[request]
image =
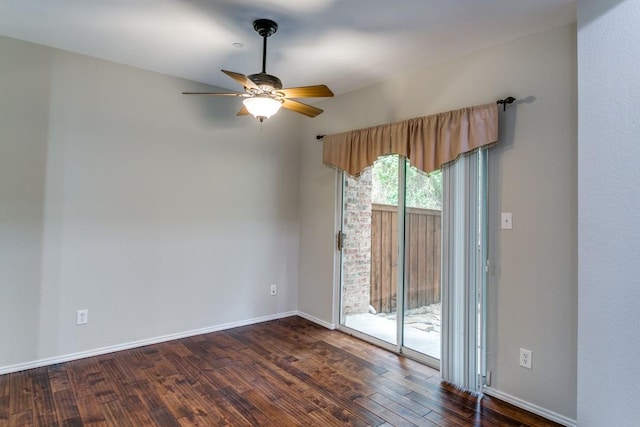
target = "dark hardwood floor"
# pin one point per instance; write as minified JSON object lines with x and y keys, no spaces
{"x":288,"y":372}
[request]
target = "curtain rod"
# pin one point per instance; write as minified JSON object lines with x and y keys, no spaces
{"x":503,"y":102}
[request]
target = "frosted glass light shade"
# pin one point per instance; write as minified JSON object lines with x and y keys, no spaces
{"x":262,"y":107}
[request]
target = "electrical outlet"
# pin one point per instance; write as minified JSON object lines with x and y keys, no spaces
{"x":274,"y":289}
{"x":525,"y":358}
{"x":82,"y":317}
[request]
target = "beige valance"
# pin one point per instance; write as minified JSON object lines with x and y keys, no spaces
{"x":428,"y":142}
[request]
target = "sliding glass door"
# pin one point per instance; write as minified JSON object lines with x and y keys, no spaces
{"x":391,"y":257}
{"x":423,"y":259}
{"x":369,"y":279}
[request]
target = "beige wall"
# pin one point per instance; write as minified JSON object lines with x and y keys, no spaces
{"x":157,"y":212}
{"x":533,"y":279}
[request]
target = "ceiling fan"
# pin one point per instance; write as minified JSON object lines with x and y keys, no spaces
{"x":264,"y":94}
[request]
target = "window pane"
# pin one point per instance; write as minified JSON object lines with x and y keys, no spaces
{"x":423,"y":231}
{"x":369,"y":257}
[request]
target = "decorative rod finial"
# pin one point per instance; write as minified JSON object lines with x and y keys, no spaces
{"x":505,"y":101}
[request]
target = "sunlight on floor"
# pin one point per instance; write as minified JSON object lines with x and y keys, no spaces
{"x":421,"y":331}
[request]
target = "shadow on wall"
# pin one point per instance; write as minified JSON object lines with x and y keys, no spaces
{"x":506,"y":134}
{"x":528,"y":100}
{"x":597,"y":9}
{"x":217,"y":112}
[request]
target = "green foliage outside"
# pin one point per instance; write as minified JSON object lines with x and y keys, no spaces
{"x":423,"y":191}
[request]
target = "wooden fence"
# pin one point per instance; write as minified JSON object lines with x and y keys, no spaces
{"x":423,"y":228}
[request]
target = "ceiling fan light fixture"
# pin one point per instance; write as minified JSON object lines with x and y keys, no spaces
{"x":262,"y":107}
{"x":263,"y":93}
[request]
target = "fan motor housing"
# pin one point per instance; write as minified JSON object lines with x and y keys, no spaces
{"x":264,"y":79}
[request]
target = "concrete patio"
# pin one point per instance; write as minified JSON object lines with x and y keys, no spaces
{"x":421,"y":332}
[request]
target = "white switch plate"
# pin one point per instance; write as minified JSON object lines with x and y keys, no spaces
{"x":507,"y":220}
{"x":274,"y":290}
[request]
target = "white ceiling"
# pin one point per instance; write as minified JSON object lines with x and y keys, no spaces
{"x":346,"y":44}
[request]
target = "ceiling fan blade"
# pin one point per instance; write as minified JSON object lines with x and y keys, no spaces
{"x":214,"y":93}
{"x":243,"y":111}
{"x":317,"y":91}
{"x":301,"y":108}
{"x":242,"y":79}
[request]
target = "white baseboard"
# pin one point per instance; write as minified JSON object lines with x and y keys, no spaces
{"x":527,"y":406}
{"x":126,"y":346}
{"x":314,"y":319}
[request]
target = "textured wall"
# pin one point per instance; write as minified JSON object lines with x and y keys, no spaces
{"x":609,"y":213}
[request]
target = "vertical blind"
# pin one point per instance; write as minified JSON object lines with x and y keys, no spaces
{"x":463,"y":261}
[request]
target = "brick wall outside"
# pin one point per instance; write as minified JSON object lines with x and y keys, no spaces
{"x":356,"y":253}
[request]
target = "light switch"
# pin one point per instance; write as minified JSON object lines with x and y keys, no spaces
{"x":507,"y":221}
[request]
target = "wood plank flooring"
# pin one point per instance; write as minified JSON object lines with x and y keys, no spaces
{"x":287,"y":372}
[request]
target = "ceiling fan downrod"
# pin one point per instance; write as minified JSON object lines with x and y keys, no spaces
{"x":265,"y":28}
